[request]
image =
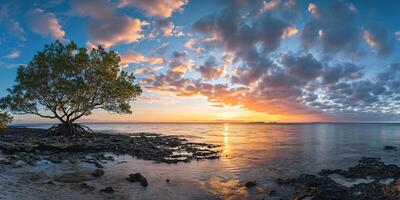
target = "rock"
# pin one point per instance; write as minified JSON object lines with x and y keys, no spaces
{"x":98,"y":165}
{"x":107,"y":190}
{"x":84,"y":186}
{"x":388,"y":147}
{"x":55,"y":158}
{"x":74,"y":177}
{"x":272,"y":192}
{"x":324,"y":187}
{"x":98,"y":173}
{"x":167,"y":180}
{"x":50,"y":182}
{"x":34,"y":177}
{"x":33,"y":144}
{"x":250,"y":184}
{"x":138,"y":177}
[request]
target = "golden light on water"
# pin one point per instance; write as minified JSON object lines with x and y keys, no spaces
{"x":226,"y":139}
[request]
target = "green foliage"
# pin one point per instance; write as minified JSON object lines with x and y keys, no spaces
{"x":66,"y":82}
{"x":5,"y":119}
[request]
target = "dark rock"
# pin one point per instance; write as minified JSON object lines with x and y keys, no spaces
{"x":98,"y":165}
{"x":138,"y":177}
{"x":388,"y":147}
{"x":107,"y":190}
{"x":55,"y":158}
{"x":84,"y":186}
{"x":156,"y":147}
{"x":272,"y":192}
{"x":74,"y":177}
{"x":34,"y":178}
{"x":167,"y":180}
{"x":98,"y":173}
{"x":50,"y":182}
{"x":250,"y":184}
{"x":322,"y":187}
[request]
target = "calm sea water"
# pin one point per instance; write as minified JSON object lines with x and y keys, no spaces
{"x":260,"y":152}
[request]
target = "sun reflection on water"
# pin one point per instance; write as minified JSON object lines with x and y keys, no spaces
{"x":226,"y":139}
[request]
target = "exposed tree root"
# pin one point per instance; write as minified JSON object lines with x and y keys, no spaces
{"x":72,"y":130}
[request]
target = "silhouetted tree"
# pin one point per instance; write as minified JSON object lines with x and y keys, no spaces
{"x":65,"y":82}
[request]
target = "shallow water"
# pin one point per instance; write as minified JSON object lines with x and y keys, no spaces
{"x":260,"y":152}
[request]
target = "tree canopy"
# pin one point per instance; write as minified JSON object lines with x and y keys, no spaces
{"x":65,"y":82}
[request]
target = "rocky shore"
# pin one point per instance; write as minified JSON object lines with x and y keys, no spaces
{"x":85,"y":168}
{"x":370,"y":179}
{"x":80,"y":168}
{"x":32,"y":145}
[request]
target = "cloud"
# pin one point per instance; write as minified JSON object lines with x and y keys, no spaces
{"x":13,"y":54}
{"x":12,"y":26}
{"x":45,"y":24}
{"x":248,"y":43}
{"x":132,"y":58}
{"x":155,"y":8}
{"x":345,"y":71}
{"x":303,"y":66}
{"x":179,"y":64}
{"x":107,"y":28}
{"x":161,"y":49}
{"x":397,"y":34}
{"x":314,"y":10}
{"x":377,"y":37}
{"x":166,"y":27}
{"x":210,"y":69}
{"x":335,"y":29}
{"x":192,"y":45}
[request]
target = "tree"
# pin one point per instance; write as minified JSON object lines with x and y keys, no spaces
{"x":5,"y":119}
{"x":65,"y":82}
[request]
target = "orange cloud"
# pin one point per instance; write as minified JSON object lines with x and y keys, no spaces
{"x":106,"y":27}
{"x":45,"y":24}
{"x":155,"y":8}
{"x":130,"y":58}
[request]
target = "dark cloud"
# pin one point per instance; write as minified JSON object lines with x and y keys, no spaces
{"x":345,"y":71}
{"x":211,"y":69}
{"x":337,"y":29}
{"x":303,"y":66}
{"x":378,"y":38}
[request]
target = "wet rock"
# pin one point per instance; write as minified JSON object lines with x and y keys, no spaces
{"x":323,"y":187}
{"x":388,"y":147}
{"x":85,"y":186}
{"x":50,"y":183}
{"x":250,"y":184}
{"x":55,"y":158}
{"x":34,"y":177}
{"x":137,"y":177}
{"x":98,"y":165}
{"x":107,"y":190}
{"x":272,"y":192}
{"x":74,"y":177}
{"x":27,"y":142}
{"x":367,"y":167}
{"x":98,"y":173}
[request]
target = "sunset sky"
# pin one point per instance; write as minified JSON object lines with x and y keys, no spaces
{"x":227,"y":60}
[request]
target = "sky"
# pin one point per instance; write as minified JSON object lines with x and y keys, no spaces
{"x":226,"y":60}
